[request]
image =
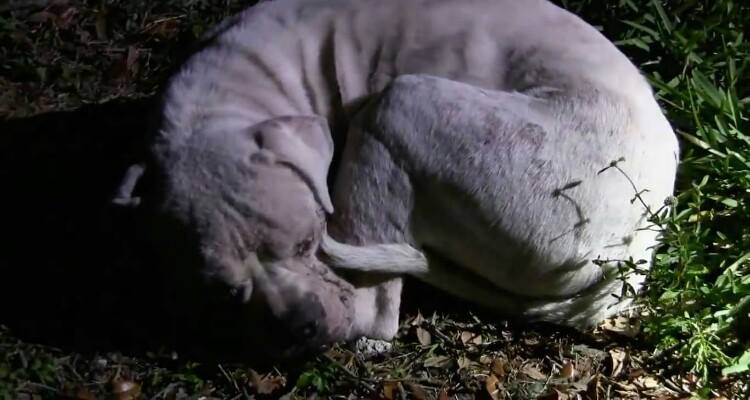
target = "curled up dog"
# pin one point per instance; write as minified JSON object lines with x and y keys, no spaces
{"x":472,"y":137}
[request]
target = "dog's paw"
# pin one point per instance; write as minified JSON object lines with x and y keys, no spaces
{"x":371,"y":347}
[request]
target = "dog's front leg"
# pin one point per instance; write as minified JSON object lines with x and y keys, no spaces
{"x":372,"y":201}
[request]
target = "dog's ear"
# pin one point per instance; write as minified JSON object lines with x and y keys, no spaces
{"x":304,"y":144}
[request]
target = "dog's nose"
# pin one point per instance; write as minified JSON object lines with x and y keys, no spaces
{"x":308,"y":331}
{"x":301,"y":331}
{"x":305,"y":320}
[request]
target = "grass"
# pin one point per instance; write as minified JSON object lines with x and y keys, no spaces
{"x":695,"y":336}
{"x":696,"y":56}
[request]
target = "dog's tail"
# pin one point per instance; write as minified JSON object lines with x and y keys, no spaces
{"x":581,"y":310}
{"x":378,"y":258}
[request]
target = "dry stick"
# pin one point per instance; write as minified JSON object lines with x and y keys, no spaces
{"x":614,"y":164}
{"x":365,"y":382}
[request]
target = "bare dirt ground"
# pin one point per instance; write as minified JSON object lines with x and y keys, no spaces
{"x":76,"y":84}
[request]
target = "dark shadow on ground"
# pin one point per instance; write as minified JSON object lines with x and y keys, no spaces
{"x":77,"y":272}
{"x":71,"y":265}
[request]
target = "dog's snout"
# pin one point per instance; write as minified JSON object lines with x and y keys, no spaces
{"x":309,"y":330}
{"x":305,"y":319}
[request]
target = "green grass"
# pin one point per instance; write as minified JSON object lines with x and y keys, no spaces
{"x":696,"y":56}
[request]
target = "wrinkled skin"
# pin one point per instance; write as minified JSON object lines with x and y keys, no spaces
{"x":239,"y":212}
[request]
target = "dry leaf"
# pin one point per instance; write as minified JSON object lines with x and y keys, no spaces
{"x":626,"y":387}
{"x":464,"y":362}
{"x":492,"y":386}
{"x":132,"y":59}
{"x":595,"y":389}
{"x":418,"y":320}
{"x":417,"y":391}
{"x":589,"y":352}
{"x":499,"y":367}
{"x":84,"y":394}
{"x":646,"y":382}
{"x":265,"y":384}
{"x":622,"y":326}
{"x":617,"y":361}
{"x":101,"y":24}
{"x":438,"y":362}
{"x":423,"y":336}
{"x":442,"y":395}
{"x":390,"y":390}
{"x":568,"y":370}
{"x":469,"y":338}
{"x":533,"y":372}
{"x":66,"y":18}
{"x":41,"y":17}
{"x":555,"y":395}
{"x":126,"y":390}
{"x":531,"y":341}
{"x":691,"y":380}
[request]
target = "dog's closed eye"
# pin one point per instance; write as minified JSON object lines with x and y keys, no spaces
{"x":304,"y":247}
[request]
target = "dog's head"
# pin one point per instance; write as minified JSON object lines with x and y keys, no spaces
{"x":241,"y":214}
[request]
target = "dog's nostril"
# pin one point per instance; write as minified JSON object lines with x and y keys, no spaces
{"x":309,"y":330}
{"x":258,"y":137}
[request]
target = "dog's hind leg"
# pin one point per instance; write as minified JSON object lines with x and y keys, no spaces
{"x":506,"y":185}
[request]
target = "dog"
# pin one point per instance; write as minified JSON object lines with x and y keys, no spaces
{"x":492,"y":148}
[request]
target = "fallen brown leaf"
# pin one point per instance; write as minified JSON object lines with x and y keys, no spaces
{"x":417,"y":391}
{"x":646,"y":382}
{"x":471,"y":338}
{"x":418,"y":320}
{"x":595,"y":389}
{"x":41,"y":17}
{"x":568,"y":370}
{"x":533,"y":372}
{"x":126,"y":390}
{"x":617,"y":358}
{"x":625,"y":386}
{"x":464,"y":362}
{"x":131,"y":61}
{"x":65,"y":17}
{"x":531,"y":341}
{"x":555,"y":395}
{"x":690,"y":381}
{"x":438,"y":362}
{"x":163,"y":28}
{"x":101,"y":24}
{"x":84,"y":394}
{"x":492,"y":386}
{"x":389,"y":390}
{"x":622,"y":326}
{"x":265,"y":384}
{"x":423,"y":336}
{"x":442,"y":394}
{"x":499,"y":367}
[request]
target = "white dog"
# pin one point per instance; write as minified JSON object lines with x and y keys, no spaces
{"x":474,"y":134}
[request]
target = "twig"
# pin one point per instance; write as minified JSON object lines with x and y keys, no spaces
{"x":365,"y":382}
